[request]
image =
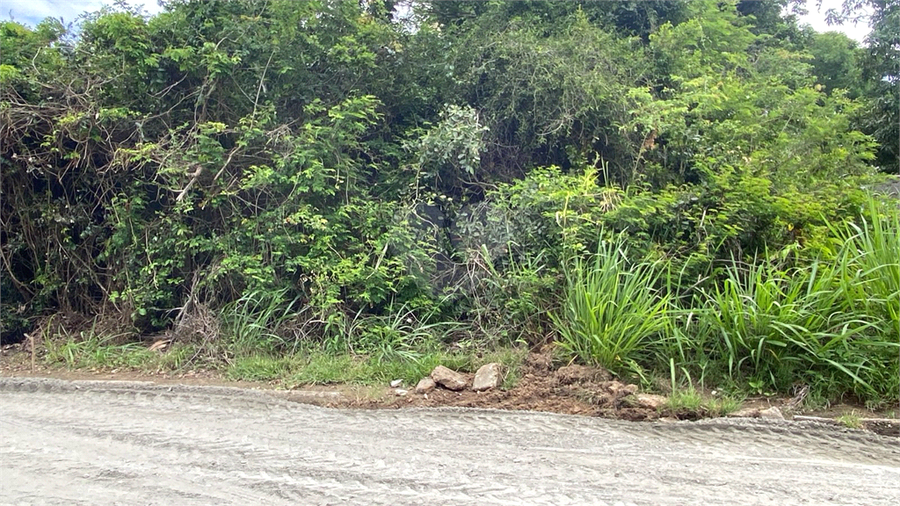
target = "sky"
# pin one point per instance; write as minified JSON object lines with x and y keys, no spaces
{"x":30,"y":12}
{"x":816,"y":19}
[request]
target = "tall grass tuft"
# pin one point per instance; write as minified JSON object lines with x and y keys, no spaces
{"x":869,"y":264}
{"x":399,"y":335}
{"x":252,"y":324}
{"x":774,"y":327}
{"x":832,"y":324}
{"x":611,"y":309}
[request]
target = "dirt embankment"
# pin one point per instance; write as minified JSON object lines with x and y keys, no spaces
{"x":572,"y":389}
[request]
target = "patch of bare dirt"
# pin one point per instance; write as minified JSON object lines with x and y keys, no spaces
{"x":572,"y":389}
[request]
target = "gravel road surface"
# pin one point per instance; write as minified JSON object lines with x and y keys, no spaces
{"x":94,"y":442}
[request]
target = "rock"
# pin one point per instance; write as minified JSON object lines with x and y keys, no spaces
{"x":772,"y":413}
{"x":396,"y":383}
{"x":425,"y":385}
{"x":400,"y":392}
{"x":487,"y":377}
{"x":744,"y":413}
{"x":650,"y":401}
{"x":449,"y":379}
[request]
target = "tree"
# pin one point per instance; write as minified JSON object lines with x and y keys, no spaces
{"x":836,"y":62}
{"x":881,"y":70}
{"x":224,"y":149}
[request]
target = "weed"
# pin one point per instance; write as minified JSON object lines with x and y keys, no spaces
{"x":326,"y":368}
{"x":850,"y":420}
{"x":323,"y":368}
{"x":88,"y":351}
{"x":688,"y":403}
{"x":251,"y":324}
{"x":91,"y":349}
{"x":611,"y":309}
{"x":511,"y":302}
{"x":770,"y":327}
{"x":261,"y":368}
{"x":721,"y":406}
{"x":399,"y":336}
{"x":684,"y":400}
{"x":511,"y":359}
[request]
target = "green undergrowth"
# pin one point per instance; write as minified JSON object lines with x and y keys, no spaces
{"x":316,"y":367}
{"x":378,"y":199}
{"x":828,"y":324}
{"x":101,"y":353}
{"x":761,"y":326}
{"x":96,"y":348}
{"x":319,"y":368}
{"x":690,"y":402}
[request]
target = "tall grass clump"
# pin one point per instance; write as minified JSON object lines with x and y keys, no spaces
{"x":869,"y":266}
{"x":869,"y":263}
{"x":399,"y":335}
{"x":773,"y":328}
{"x":611,"y":309}
{"x":831,"y":324}
{"x":253,"y":323}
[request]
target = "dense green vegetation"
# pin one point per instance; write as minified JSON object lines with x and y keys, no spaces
{"x":670,"y":188}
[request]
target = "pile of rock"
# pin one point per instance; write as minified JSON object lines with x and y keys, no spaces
{"x":487,"y":377}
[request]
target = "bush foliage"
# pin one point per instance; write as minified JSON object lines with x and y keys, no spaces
{"x":654,"y":184}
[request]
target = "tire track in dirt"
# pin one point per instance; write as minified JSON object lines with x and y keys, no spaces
{"x":138,"y":443}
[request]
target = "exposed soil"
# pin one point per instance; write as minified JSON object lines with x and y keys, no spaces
{"x":572,"y":389}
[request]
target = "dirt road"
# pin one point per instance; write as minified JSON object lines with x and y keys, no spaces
{"x":134,"y":443}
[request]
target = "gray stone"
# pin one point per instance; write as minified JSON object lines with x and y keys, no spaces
{"x":772,"y":413}
{"x":449,"y":379}
{"x":396,"y":383}
{"x":425,"y":385}
{"x":487,"y":377}
{"x":400,"y":392}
